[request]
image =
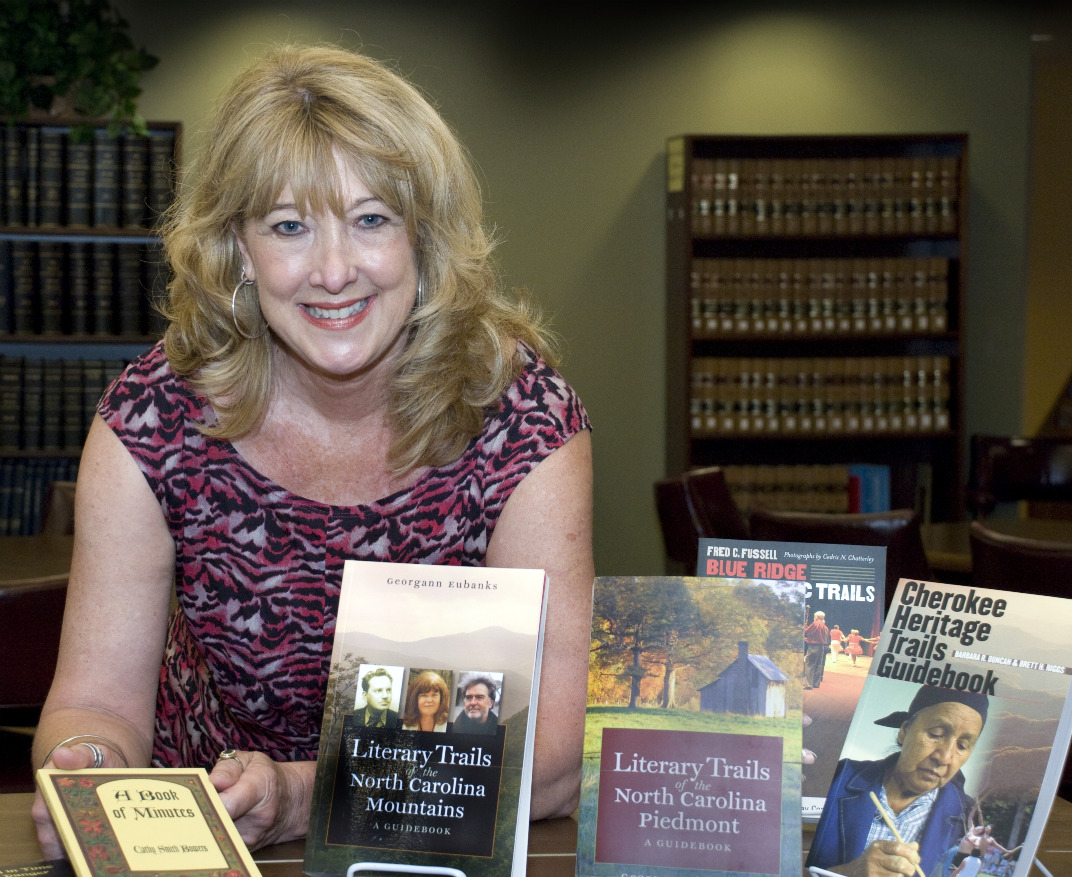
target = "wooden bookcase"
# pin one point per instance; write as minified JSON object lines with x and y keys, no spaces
{"x":80,"y":265}
{"x":815,"y":301}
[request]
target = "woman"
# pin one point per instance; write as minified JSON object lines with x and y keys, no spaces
{"x":427,"y":703}
{"x":340,"y":377}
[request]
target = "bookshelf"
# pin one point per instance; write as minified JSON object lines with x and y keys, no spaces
{"x":79,"y":268}
{"x":815,"y":294}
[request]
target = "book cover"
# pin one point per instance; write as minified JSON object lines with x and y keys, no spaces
{"x":845,"y":586}
{"x":149,"y":821}
{"x":426,"y":746}
{"x":53,"y":868}
{"x":966,"y":699}
{"x":692,"y":743}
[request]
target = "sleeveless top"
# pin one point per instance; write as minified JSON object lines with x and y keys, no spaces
{"x":258,"y":569}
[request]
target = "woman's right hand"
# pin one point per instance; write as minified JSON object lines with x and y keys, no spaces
{"x":73,"y":757}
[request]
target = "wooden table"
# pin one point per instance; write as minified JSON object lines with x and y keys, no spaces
{"x":949,"y":549}
{"x":552,"y":844}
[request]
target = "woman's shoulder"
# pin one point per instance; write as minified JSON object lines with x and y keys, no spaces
{"x":541,"y":392}
{"x":148,"y":391}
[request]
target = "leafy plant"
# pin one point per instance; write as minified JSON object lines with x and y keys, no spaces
{"x":71,"y":54}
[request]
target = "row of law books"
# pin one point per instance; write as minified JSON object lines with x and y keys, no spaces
{"x":836,"y":488}
{"x":819,"y":296}
{"x":24,"y":484}
{"x":48,"y":404}
{"x":734,"y":395}
{"x":753,"y":197}
{"x":57,"y":176}
{"x":49,"y":287}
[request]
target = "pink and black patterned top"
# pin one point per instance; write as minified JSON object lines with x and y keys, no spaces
{"x":257,"y":568}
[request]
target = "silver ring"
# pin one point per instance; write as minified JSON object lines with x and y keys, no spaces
{"x":230,"y":753}
{"x":98,"y":755}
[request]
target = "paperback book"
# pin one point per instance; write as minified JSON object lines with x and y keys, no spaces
{"x":126,"y":821}
{"x":965,"y":719}
{"x":844,"y":587}
{"x":692,"y":742}
{"x":426,"y":745}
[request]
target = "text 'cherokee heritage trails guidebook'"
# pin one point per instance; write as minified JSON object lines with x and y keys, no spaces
{"x":960,"y":734}
{"x":425,"y":752}
{"x":692,"y":729}
{"x":844,"y":586}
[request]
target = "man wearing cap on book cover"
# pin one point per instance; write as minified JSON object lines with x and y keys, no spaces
{"x":920,"y":786}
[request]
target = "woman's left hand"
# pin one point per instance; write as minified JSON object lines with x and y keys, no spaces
{"x":268,"y":800}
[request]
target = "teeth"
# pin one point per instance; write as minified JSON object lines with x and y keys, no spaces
{"x":337,"y":313}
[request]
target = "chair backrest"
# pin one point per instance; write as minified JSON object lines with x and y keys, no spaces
{"x":1016,"y":563}
{"x":1013,"y":468}
{"x":713,"y":506}
{"x":677,"y":519}
{"x":898,"y":530}
{"x":31,"y":614}
{"x":58,"y":515}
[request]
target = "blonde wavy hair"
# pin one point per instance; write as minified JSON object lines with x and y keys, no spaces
{"x":282,"y":122}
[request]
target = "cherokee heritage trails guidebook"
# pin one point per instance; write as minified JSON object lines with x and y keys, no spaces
{"x":147,"y":821}
{"x":426,"y":745}
{"x":692,"y":730}
{"x":844,"y":587}
{"x":966,"y":698}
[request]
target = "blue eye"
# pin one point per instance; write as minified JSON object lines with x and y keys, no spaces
{"x":288,"y":226}
{"x":371,"y":220}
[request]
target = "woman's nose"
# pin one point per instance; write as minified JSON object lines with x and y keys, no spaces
{"x":335,"y":263}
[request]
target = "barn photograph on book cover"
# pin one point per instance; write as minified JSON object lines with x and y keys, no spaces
{"x":692,"y":748}
{"x":964,"y":717}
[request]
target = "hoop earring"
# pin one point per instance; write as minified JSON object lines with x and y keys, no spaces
{"x":420,"y":292}
{"x":234,"y":316}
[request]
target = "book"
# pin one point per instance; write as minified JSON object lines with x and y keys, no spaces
{"x":692,"y":747}
{"x":78,"y":171}
{"x":968,"y":693}
{"x":869,"y":487}
{"x":134,"y":186}
{"x":161,"y":821}
{"x":846,"y":585}
{"x":106,"y":184}
{"x":454,"y":797}
{"x":50,"y":179}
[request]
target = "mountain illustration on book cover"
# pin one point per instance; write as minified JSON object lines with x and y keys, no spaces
{"x":692,"y":742}
{"x":845,"y":588}
{"x":426,"y":744}
{"x":965,"y":713}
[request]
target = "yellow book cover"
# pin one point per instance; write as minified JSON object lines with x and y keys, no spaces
{"x":145,"y":821}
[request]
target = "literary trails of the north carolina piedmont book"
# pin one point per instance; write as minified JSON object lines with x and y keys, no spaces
{"x":692,"y":743}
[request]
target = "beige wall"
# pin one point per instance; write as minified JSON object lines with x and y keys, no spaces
{"x":566,"y":109}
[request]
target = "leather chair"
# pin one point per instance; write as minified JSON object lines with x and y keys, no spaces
{"x":1016,"y":563}
{"x":695,"y":505}
{"x":58,"y":515}
{"x":31,"y":614}
{"x":1014,"y":468}
{"x":898,"y":530}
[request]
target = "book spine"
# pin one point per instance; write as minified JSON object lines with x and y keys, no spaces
{"x":32,"y":183}
{"x":128,"y":287}
{"x":78,"y":288}
{"x":50,"y":202}
{"x":23,"y":286}
{"x":33,"y":402}
{"x":10,"y":403}
{"x":5,"y":287}
{"x":50,"y":287}
{"x":79,"y":182}
{"x":51,"y":413}
{"x":103,"y":289}
{"x":73,"y":431}
{"x":14,"y":176}
{"x":105,"y":179}
{"x":134,"y":199}
{"x":161,"y":171}
{"x":155,"y":281}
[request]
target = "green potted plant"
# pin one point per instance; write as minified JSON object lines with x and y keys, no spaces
{"x":70,"y":58}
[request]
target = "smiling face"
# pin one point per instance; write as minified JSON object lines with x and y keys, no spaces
{"x":428,"y":702}
{"x":935,"y":743}
{"x":335,"y":290}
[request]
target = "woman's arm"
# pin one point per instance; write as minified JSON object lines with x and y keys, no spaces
{"x":114,"y":621}
{"x":547,"y":524}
